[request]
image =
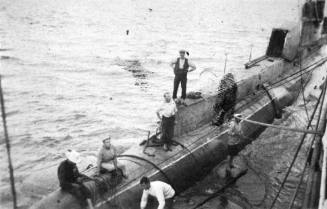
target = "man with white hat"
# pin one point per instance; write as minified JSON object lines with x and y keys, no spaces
{"x":70,"y":178}
{"x":181,"y":67}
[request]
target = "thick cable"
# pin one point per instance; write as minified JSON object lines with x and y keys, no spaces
{"x":151,"y":163}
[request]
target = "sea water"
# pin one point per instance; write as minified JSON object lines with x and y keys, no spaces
{"x":76,"y":71}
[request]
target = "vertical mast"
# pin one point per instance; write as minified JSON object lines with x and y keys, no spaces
{"x":11,"y":170}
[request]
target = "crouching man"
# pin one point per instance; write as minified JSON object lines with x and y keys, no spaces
{"x":162,"y":191}
{"x":71,"y":180}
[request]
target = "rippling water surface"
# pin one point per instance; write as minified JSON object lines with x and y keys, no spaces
{"x":76,"y":71}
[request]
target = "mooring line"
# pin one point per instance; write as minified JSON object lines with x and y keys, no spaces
{"x":280,"y":127}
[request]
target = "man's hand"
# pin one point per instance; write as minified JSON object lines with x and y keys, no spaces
{"x":172,"y":65}
{"x":192,"y":69}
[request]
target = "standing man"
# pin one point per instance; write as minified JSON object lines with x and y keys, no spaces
{"x":158,"y":189}
{"x":166,"y":113}
{"x":181,"y":68}
{"x":71,"y":180}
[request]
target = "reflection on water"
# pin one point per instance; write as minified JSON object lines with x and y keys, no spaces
{"x":72,"y":76}
{"x":138,"y":71}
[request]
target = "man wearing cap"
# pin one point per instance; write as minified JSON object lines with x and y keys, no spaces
{"x":107,"y":158}
{"x":162,"y":191}
{"x":70,"y":178}
{"x":181,"y":67}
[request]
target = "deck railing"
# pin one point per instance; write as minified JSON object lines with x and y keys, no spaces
{"x":323,"y":197}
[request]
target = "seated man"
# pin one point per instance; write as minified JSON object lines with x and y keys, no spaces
{"x":71,"y":179}
{"x":107,"y":158}
{"x":162,"y":191}
{"x":166,"y":113}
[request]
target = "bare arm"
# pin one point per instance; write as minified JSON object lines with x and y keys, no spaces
{"x":99,"y":161}
{"x":161,"y":199}
{"x":192,"y":67}
{"x":175,"y":108}
{"x":172,"y":64}
{"x":144,"y":200}
{"x":115,"y":157}
{"x":158,"y":113}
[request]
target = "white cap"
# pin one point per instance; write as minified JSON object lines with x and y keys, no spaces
{"x":73,"y":156}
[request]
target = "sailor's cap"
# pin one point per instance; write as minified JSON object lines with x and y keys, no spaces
{"x":108,"y":138}
{"x":73,"y":156}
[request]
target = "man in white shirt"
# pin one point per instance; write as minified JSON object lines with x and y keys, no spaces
{"x":162,"y":191}
{"x":166,"y":113}
{"x":181,"y":68}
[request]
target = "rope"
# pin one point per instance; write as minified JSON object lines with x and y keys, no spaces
{"x":308,"y":156}
{"x":189,"y":151}
{"x":151,"y":163}
{"x":271,"y":86}
{"x":277,"y":111}
{"x":297,"y":151}
{"x":147,"y":161}
{"x":11,"y":170}
{"x":301,"y":178}
{"x":315,"y":64}
{"x":280,"y":127}
{"x":307,"y":159}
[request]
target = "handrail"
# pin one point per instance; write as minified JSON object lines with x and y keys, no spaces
{"x":297,"y":149}
{"x":322,"y":197}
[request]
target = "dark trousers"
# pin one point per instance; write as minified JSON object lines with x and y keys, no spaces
{"x":180,"y":78}
{"x":167,"y":128}
{"x":169,"y":203}
{"x":79,"y":191}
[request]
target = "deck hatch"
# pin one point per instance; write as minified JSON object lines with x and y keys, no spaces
{"x":276,"y":43}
